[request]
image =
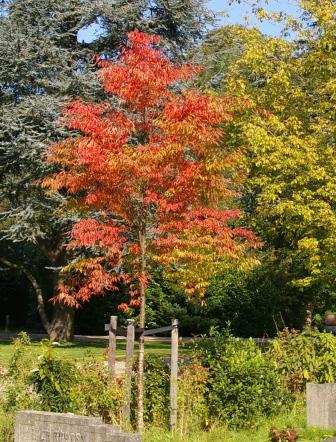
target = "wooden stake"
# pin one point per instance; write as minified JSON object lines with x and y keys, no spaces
{"x":112,"y":346}
{"x":174,"y":374}
{"x":7,"y":323}
{"x":128,"y":370}
{"x":142,"y":318}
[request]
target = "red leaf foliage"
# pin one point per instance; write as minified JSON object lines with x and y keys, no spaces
{"x":148,"y":163}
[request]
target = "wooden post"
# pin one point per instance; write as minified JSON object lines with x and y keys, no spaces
{"x":174,"y":374}
{"x":7,"y":323}
{"x":128,"y":371}
{"x":112,"y":350}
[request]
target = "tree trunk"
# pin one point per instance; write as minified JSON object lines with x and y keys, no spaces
{"x":36,"y":287}
{"x":141,"y":366}
{"x":62,"y":323}
{"x":61,"y":326}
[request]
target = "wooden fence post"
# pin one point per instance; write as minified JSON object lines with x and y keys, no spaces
{"x":7,"y":323}
{"x":174,"y":374}
{"x":128,"y":370}
{"x":112,"y":350}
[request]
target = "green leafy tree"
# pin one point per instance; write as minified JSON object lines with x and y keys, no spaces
{"x":287,"y":133}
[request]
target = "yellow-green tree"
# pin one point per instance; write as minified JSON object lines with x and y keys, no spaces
{"x":288,"y":135}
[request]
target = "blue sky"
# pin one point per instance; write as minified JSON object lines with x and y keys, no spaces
{"x":233,"y":14}
{"x":240,"y":13}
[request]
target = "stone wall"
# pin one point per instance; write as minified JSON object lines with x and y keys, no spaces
{"x":39,"y":426}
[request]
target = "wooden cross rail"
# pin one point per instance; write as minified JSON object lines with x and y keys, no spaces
{"x":131,"y":333}
{"x":121,"y":331}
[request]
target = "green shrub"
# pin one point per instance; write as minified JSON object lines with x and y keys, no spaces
{"x":83,"y":387}
{"x":51,"y":384}
{"x":94,"y":394}
{"x":53,"y":380}
{"x":17,"y":393}
{"x":6,"y":427}
{"x":304,"y":357}
{"x":192,"y":405}
{"x":156,"y":398}
{"x":243,"y":383}
{"x":156,"y":392}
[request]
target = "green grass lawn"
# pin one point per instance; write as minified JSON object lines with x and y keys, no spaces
{"x":79,"y":350}
{"x":295,"y":419}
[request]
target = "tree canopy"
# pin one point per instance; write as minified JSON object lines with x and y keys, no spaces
{"x":288,"y":136}
{"x":148,"y":168}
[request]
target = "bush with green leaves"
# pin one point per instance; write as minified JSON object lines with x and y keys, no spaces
{"x":16,"y":391}
{"x":243,"y":383}
{"x":95,"y":394}
{"x":82,"y":388}
{"x":304,"y":357}
{"x":6,"y":427}
{"x":49,"y":383}
{"x":192,"y":404}
{"x":53,"y":380}
{"x":43,"y":383}
{"x":156,"y":403}
{"x":156,"y":391}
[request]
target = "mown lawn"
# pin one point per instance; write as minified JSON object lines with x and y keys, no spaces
{"x":79,"y":350}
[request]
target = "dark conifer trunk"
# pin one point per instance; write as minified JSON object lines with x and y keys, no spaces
{"x":62,"y":323}
{"x":61,"y":326}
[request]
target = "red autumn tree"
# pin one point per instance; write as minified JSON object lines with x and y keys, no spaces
{"x":147,"y":172}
